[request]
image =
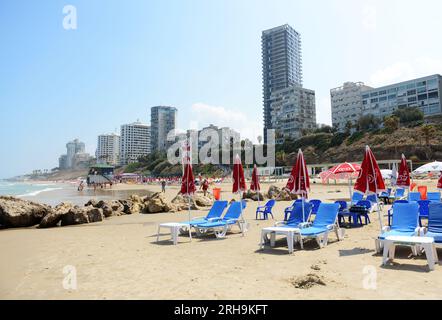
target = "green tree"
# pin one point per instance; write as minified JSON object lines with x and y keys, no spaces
{"x":391,"y":123}
{"x":368,"y":122}
{"x":409,"y":115}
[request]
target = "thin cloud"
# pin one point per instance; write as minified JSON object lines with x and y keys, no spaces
{"x":204,"y":115}
{"x":406,"y":70}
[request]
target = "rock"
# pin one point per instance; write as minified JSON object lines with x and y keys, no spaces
{"x":76,"y":215}
{"x":273,"y":192}
{"x":107,"y":210}
{"x":203,"y":201}
{"x":52,"y":219}
{"x":93,"y":203}
{"x":156,"y":203}
{"x":182,"y":203}
{"x":285,"y":195}
{"x":254,"y":195}
{"x":17,"y":213}
{"x":127,"y":206}
{"x":117,"y":207}
{"x":94,"y":214}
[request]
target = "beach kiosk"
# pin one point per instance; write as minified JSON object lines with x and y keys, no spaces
{"x":100,"y":174}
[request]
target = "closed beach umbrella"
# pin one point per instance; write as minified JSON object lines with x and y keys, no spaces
{"x":239,"y":182}
{"x":188,"y":180}
{"x":299,"y":181}
{"x":403,"y":177}
{"x":255,"y":186}
{"x":370,"y":178}
{"x":433,"y":167}
{"x":439,"y":184}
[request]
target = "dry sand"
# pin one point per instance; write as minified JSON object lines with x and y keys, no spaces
{"x":120,"y":259}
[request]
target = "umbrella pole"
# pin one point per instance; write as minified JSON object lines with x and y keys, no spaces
{"x":303,"y":211}
{"x":379,"y":212}
{"x":350,"y":182}
{"x":190,"y":227}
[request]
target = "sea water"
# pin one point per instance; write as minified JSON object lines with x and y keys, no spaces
{"x":24,"y":189}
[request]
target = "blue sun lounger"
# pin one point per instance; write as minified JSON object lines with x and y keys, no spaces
{"x":405,"y":223}
{"x":215,"y":213}
{"x":221,"y":226}
{"x":434,"y":229}
{"x":325,"y":221}
{"x":296,"y":216}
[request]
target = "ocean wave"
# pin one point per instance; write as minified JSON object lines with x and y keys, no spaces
{"x":37,"y":192}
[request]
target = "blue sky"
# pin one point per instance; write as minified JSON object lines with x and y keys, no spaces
{"x":202,"y":57}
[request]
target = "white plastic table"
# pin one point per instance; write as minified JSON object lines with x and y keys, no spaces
{"x":174,"y":230}
{"x":273,"y":231}
{"x":427,"y":243}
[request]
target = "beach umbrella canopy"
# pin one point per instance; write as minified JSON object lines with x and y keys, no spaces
{"x":433,"y":167}
{"x":345,"y":168}
{"x":403,"y":178}
{"x":299,"y":181}
{"x":370,"y":178}
{"x":255,"y":186}
{"x":239,"y":182}
{"x":386,"y":174}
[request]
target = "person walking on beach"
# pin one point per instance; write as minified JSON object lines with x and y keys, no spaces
{"x":205,"y":186}
{"x":163,"y":186}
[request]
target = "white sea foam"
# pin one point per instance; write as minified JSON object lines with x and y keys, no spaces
{"x":37,"y":192}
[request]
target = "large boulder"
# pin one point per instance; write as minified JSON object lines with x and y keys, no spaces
{"x":202,"y":200}
{"x":76,"y":215}
{"x":53,"y":218}
{"x":254,"y":195}
{"x":128,"y":206}
{"x":273,"y":192}
{"x":155,"y":204}
{"x":94,"y":214}
{"x":182,"y":203}
{"x":285,"y":195}
{"x":17,"y":213}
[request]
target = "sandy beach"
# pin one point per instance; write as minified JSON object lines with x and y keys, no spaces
{"x":120,"y":259}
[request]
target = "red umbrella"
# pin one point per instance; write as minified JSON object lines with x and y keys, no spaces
{"x":343,"y":170}
{"x":188,"y":181}
{"x":299,"y":181}
{"x":239,"y":182}
{"x":439,"y":184}
{"x":403,"y":177}
{"x":370,"y":178}
{"x":255,"y":186}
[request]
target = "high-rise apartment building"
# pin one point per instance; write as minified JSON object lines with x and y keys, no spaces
{"x":281,"y":65}
{"x":134,"y":142}
{"x":352,"y":101}
{"x":108,"y":149}
{"x":163,"y":120}
{"x":292,"y":110}
{"x":346,"y":104}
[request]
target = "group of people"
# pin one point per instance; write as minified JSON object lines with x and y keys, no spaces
{"x":203,"y":182}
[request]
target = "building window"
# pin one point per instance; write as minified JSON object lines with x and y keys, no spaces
{"x":433,"y":95}
{"x":422,"y":97}
{"x":374,"y":100}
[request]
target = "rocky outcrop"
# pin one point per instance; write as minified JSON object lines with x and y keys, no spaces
{"x":53,"y":218}
{"x":76,"y":215}
{"x":280,"y":194}
{"x":156,"y":203}
{"x":17,"y":213}
{"x":253,"y":195}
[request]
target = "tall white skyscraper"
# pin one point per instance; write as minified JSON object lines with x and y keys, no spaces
{"x":281,"y":65}
{"x":134,"y":142}
{"x":108,"y":149}
{"x":163,"y":120}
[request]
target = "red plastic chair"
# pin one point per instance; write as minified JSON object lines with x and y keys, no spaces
{"x":412,"y":186}
{"x":423,"y":191}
